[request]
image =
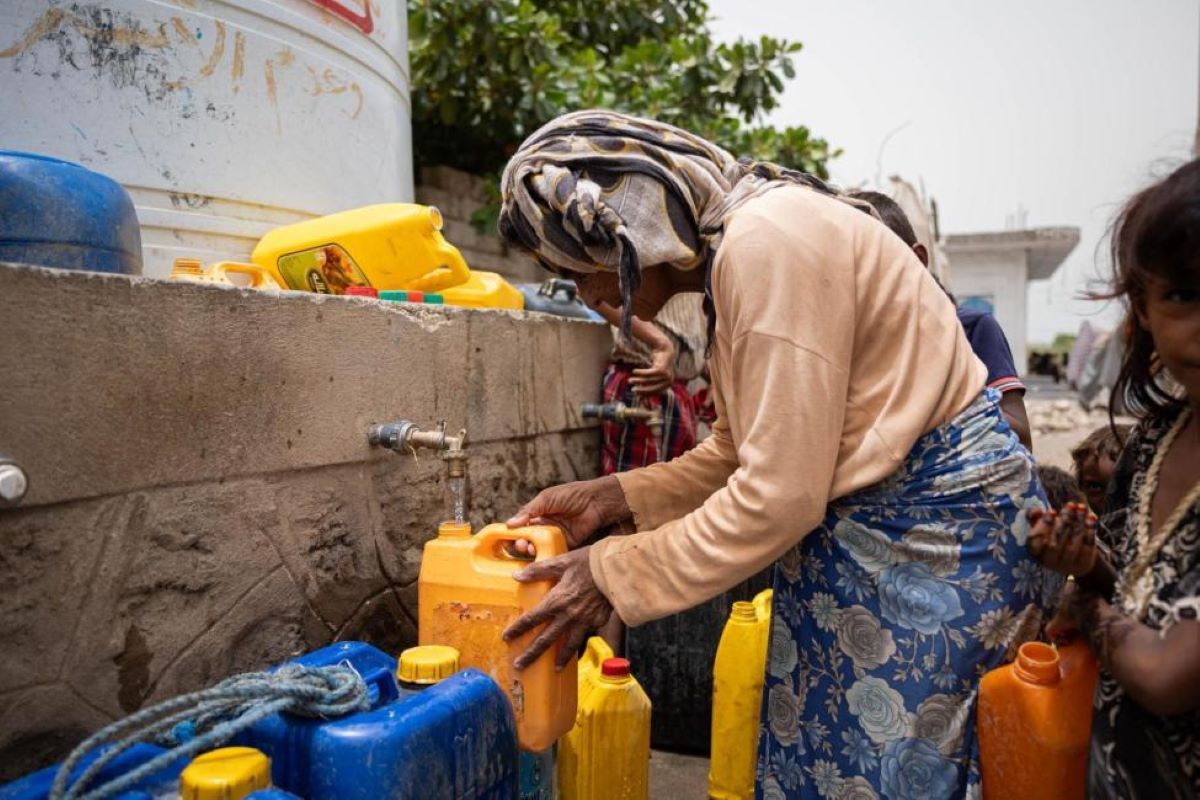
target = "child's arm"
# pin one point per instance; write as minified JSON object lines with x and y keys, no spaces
{"x":1158,"y":669}
{"x":658,"y":376}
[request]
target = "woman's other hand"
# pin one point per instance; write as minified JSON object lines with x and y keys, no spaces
{"x":1064,"y":541}
{"x":570,"y":611}
{"x":580,"y":509}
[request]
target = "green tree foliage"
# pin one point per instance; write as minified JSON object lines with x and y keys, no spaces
{"x":486,"y":73}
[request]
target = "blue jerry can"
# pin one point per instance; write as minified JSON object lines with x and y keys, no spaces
{"x":37,"y":785}
{"x":456,"y":739}
{"x":56,"y":213}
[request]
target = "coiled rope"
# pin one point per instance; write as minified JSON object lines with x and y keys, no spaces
{"x":193,"y":723}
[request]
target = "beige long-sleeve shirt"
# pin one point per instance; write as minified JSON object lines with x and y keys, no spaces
{"x":835,"y":351}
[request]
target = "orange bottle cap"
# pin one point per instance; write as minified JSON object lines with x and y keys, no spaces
{"x":1037,"y":662}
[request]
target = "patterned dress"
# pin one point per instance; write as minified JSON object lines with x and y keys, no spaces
{"x":886,"y":616}
{"x":1136,"y":754}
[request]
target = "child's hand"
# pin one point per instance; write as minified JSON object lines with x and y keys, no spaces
{"x":1064,"y":542}
{"x":657,"y":377}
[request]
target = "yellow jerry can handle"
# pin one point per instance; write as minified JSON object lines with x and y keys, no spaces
{"x":260,"y":278}
{"x":494,"y":557}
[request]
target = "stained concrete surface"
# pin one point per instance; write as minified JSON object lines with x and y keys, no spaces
{"x":677,"y":777}
{"x":203,"y":499}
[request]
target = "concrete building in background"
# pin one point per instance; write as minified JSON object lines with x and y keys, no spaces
{"x":992,"y":271}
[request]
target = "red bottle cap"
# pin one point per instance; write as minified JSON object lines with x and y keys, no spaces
{"x":615,"y":668}
{"x":361,"y":291}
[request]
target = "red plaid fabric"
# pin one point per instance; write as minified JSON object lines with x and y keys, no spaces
{"x":631,"y":445}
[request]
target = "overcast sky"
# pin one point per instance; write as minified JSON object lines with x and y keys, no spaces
{"x":1058,"y":107}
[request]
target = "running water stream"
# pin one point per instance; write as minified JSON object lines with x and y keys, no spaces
{"x":457,"y":489}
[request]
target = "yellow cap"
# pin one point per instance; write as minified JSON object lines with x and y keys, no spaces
{"x":427,"y":664}
{"x":230,"y":773}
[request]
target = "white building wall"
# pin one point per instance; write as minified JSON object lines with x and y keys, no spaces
{"x":997,"y":277}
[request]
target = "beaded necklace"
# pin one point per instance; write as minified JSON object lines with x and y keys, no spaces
{"x":1136,"y":587}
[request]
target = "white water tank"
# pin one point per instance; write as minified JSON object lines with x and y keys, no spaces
{"x":223,"y":118}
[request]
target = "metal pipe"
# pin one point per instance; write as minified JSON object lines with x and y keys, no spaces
{"x":619,"y":412}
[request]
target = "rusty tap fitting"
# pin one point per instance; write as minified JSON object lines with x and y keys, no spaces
{"x":619,"y":412}
{"x":404,"y":436}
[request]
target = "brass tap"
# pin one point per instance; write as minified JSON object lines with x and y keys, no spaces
{"x":404,"y":436}
{"x":619,"y":412}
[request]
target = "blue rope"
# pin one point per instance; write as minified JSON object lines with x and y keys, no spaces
{"x":194,"y":723}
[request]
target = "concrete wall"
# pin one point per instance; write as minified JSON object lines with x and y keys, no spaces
{"x":458,"y":195}
{"x":202,"y":497}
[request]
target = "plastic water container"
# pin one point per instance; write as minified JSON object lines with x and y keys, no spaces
{"x":673,"y":660}
{"x":607,"y":753}
{"x":557,"y":296}
{"x":737,"y":699}
{"x":223,"y":118}
{"x":387,"y":246}
{"x":484,"y":290}
{"x":466,"y":597}
{"x":537,"y":775}
{"x":58,"y":214}
{"x":191,"y":270}
{"x":453,"y":739}
{"x":1034,"y":723}
{"x":37,"y":785}
{"x":437,"y":735}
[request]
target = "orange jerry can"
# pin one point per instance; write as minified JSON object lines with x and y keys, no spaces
{"x":466,"y":597}
{"x":1034,"y":723}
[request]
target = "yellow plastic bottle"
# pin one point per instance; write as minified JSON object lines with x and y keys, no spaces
{"x":230,"y":773}
{"x":387,"y":246}
{"x":607,"y":753}
{"x":466,"y":597}
{"x":191,"y":270}
{"x":737,"y":699}
{"x":484,"y":290}
{"x":595,"y":654}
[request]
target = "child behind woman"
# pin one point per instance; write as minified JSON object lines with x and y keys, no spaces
{"x":1095,"y":459}
{"x":1139,"y":607}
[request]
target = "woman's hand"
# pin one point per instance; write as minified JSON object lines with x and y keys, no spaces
{"x":570,"y":611}
{"x":580,"y":509}
{"x":659,"y":376}
{"x":1064,"y":542}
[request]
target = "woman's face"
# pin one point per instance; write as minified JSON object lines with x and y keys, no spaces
{"x":605,"y":287}
{"x":1171,"y":313}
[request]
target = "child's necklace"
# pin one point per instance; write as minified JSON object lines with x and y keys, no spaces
{"x":1136,"y":587}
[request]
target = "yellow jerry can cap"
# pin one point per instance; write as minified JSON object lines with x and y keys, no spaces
{"x":427,"y":664}
{"x":230,"y":773}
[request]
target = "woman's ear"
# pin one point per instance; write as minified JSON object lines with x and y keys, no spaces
{"x":922,"y":253}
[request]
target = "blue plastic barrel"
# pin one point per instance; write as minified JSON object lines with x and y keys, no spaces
{"x":56,"y":213}
{"x":455,"y":739}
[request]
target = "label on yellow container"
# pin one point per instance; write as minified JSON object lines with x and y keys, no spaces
{"x":326,"y":270}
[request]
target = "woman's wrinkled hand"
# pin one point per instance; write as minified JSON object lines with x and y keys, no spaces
{"x":580,"y":509}
{"x":570,"y":611}
{"x":1064,"y":541}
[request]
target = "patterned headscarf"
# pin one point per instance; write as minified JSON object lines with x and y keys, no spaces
{"x":602,"y":191}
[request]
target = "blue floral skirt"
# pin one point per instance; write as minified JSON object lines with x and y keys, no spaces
{"x":886,"y":616}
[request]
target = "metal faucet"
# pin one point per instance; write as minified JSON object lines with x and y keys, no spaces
{"x":619,"y":412}
{"x":404,"y":436}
